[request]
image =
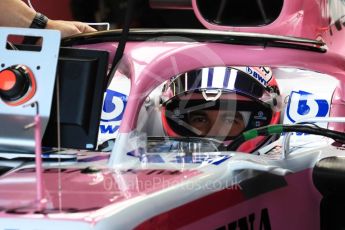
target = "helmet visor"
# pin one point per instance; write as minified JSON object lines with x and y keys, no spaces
{"x":225,"y":118}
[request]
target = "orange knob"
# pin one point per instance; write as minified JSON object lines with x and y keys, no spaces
{"x":17,"y":85}
{"x":7,"y":80}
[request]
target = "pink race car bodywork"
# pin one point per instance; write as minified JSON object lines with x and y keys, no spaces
{"x":278,"y":188}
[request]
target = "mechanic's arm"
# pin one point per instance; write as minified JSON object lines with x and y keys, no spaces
{"x":15,"y":13}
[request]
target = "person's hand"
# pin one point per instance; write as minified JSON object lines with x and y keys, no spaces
{"x":69,"y":28}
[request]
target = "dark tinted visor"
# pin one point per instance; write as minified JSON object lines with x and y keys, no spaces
{"x":192,"y":116}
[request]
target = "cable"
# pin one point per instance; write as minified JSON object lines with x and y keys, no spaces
{"x":310,"y":121}
{"x":122,"y":43}
{"x":279,"y":129}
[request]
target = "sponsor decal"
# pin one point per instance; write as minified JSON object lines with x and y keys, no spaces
{"x":111,"y":129}
{"x":304,"y":105}
{"x":259,"y":119}
{"x":261,"y":74}
{"x":113,"y":109}
{"x":251,"y":221}
{"x":198,"y":159}
{"x":260,"y":116}
{"x":114,"y":106}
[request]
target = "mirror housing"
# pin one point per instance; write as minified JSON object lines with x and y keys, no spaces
{"x":243,"y":13}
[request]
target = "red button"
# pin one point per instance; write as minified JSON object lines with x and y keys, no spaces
{"x":7,"y":80}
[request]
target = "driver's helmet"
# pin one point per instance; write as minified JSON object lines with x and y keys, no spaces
{"x":221,"y":103}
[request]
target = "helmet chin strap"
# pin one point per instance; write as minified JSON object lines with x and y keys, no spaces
{"x":216,"y":93}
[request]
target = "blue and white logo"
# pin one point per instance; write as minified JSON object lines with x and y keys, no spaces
{"x":113,"y":109}
{"x":304,"y":105}
{"x":114,"y":106}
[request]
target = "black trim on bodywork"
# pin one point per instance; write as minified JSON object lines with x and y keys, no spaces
{"x":199,"y":35}
{"x":262,"y":183}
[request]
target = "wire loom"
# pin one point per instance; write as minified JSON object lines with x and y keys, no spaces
{"x":279,"y":129}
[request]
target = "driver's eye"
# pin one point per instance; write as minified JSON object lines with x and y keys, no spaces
{"x":198,"y":119}
{"x":228,"y":118}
